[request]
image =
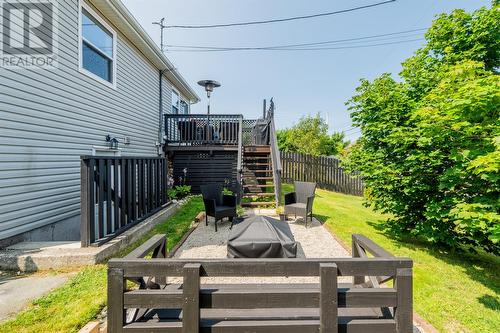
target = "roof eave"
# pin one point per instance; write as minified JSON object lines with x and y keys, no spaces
{"x":128,"y":25}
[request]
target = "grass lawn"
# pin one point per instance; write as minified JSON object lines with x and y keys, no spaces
{"x":69,"y":307}
{"x":455,"y":292}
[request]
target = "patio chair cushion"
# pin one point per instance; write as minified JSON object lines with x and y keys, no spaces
{"x":227,"y":211}
{"x":296,"y":208}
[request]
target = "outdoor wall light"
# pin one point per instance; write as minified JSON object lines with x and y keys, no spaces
{"x":113,"y":142}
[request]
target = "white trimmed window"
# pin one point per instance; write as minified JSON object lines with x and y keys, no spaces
{"x":97,"y":47}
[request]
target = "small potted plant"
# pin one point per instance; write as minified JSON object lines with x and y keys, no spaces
{"x":281,"y":212}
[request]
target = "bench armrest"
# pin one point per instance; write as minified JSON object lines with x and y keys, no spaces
{"x":309,"y":204}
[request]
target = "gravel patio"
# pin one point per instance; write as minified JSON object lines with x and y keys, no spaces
{"x":312,"y":242}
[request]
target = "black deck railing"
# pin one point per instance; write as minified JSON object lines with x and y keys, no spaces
{"x":119,"y":192}
{"x":202,"y":129}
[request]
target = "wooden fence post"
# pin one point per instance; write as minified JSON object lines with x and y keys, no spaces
{"x":404,"y":311}
{"x":116,"y":312}
{"x":191,"y":295}
{"x":356,"y":254}
{"x":328,"y":298}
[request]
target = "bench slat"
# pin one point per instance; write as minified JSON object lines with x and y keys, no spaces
{"x":261,"y":267}
{"x":272,"y":326}
{"x":270,"y":296}
{"x":267,"y":314}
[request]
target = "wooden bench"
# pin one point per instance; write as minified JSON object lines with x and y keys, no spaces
{"x":326,"y":307}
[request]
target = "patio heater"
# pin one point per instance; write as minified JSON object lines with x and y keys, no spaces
{"x":209,"y":86}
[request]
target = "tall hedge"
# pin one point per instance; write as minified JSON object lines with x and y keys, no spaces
{"x":430,"y":147}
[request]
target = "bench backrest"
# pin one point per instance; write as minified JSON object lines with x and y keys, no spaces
{"x":328,"y":298}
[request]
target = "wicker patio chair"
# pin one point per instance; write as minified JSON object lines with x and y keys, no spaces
{"x":217,"y":204}
{"x":300,"y":202}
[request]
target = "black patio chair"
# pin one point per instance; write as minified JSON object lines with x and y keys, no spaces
{"x":300,"y":202}
{"x":217,"y":204}
{"x":187,"y":130}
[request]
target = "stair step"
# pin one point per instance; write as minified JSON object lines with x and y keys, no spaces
{"x":258,"y":185}
{"x":249,"y":195}
{"x":253,"y":158}
{"x":247,"y":180}
{"x":257,"y":149}
{"x":250,"y":172}
{"x":257,"y":164}
{"x":257,"y":204}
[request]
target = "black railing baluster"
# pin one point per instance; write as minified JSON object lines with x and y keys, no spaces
{"x":109,"y":226}
{"x":116,"y":196}
{"x":100,"y":176}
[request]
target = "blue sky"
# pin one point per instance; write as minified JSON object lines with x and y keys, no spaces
{"x":301,"y":82}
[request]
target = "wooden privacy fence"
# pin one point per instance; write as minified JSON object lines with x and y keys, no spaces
{"x":323,"y":170}
{"x":190,"y":306}
{"x":118,"y":192}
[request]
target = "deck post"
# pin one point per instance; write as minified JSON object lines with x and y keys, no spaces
{"x":404,"y":310}
{"x":87,"y":202}
{"x":116,"y":312}
{"x":328,"y":298}
{"x":356,"y":254}
{"x":191,"y":299}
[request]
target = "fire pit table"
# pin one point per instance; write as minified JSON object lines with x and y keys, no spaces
{"x":261,"y":237}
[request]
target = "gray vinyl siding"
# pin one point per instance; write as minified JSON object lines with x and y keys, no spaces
{"x":48,"y":118}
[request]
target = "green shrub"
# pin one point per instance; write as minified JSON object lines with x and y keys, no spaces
{"x":172,"y":193}
{"x":183,"y":191}
{"x":179,"y":192}
{"x":430,"y":147}
{"x":227,"y":191}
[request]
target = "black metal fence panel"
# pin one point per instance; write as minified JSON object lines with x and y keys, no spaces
{"x":117,"y":193}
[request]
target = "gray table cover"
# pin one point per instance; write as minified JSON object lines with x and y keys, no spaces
{"x":261,"y":237}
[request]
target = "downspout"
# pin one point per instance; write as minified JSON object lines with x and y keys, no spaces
{"x":160,"y":115}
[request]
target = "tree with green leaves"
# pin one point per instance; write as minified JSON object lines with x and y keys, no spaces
{"x":310,"y":136}
{"x":430,"y":147}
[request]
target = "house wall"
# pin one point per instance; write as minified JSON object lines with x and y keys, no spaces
{"x":48,"y":118}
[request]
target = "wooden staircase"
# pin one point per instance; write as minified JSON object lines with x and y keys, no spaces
{"x":257,"y":177}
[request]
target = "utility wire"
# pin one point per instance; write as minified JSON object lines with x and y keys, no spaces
{"x":392,"y":34}
{"x":299,"y":49}
{"x":352,"y":130}
{"x":209,"y":26}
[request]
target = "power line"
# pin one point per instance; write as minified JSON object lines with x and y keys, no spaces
{"x":209,"y":26}
{"x":299,"y":49}
{"x":393,"y":34}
